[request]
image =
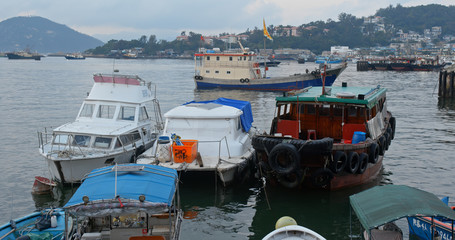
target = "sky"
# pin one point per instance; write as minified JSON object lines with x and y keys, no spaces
{"x":166,"y":19}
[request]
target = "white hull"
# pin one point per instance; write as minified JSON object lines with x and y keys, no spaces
{"x":74,"y":170}
{"x":226,"y":169}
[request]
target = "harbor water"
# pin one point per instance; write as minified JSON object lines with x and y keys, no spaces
{"x":38,"y":94}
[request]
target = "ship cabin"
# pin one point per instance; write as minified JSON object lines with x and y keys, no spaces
{"x":232,"y":64}
{"x":337,"y":114}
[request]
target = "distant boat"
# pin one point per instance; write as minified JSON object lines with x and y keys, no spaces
{"x":23,"y":55}
{"x":236,"y":69}
{"x":328,"y":59}
{"x":74,"y":57}
{"x":267,"y":62}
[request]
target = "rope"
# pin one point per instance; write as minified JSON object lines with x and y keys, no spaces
{"x":263,"y":187}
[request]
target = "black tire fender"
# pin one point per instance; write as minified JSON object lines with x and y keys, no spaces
{"x":292,"y":179}
{"x":321,"y":177}
{"x":247,"y":80}
{"x":242,"y":80}
{"x":352,"y":164}
{"x":392,"y":122}
{"x":381,"y":142}
{"x":339,"y":161}
{"x":284,"y":158}
{"x":373,"y":153}
{"x":363,"y":163}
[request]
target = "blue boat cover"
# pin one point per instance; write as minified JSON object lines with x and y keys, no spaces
{"x":157,"y":184}
{"x":246,"y":118}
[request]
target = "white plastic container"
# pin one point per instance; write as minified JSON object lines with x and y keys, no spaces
{"x":164,"y":149}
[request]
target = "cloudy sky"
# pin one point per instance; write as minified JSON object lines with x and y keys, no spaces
{"x":130,"y":19}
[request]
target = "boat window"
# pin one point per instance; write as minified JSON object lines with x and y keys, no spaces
{"x":228,"y":72}
{"x":87,"y":110}
{"x":218,"y":58}
{"x":249,"y":58}
{"x":207,"y":71}
{"x":130,"y":138}
{"x":127,"y":113}
{"x":337,"y":110}
{"x":230,"y":58}
{"x":143,"y":114}
{"x":208,"y":58}
{"x":217,"y":71}
{"x":60,"y":139}
{"x":239,"y":125}
{"x":352,"y":111}
{"x":244,"y":58}
{"x":361,"y":112}
{"x":81,"y":140}
{"x":310,"y":109}
{"x":118,"y":143}
{"x":106,"y":111}
{"x":102,"y":142}
{"x":324,"y":110}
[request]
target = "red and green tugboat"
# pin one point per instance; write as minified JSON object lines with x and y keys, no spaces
{"x":328,"y":138}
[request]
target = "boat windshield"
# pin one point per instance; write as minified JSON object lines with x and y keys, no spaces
{"x":106,"y":111}
{"x":87,"y":110}
{"x":102,"y":142}
{"x":60,"y":139}
{"x":81,"y":140}
{"x":143,"y":114}
{"x":127,"y":113}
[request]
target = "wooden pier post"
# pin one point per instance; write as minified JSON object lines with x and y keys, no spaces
{"x":447,"y":82}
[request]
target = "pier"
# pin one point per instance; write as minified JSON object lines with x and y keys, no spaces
{"x":446,"y":82}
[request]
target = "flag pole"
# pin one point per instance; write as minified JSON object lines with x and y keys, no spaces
{"x":265,"y":62}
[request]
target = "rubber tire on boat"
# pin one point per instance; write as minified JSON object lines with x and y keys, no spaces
{"x":381,"y":142}
{"x":201,"y":78}
{"x":284,"y":158}
{"x":373,"y":153}
{"x":363,"y":163}
{"x":242,"y":80}
{"x":321,"y":177}
{"x":292,"y":179}
{"x":387,"y":140}
{"x":393,"y":123}
{"x":339,"y":161}
{"x":247,"y":80}
{"x":264,"y":143}
{"x":352,"y":165}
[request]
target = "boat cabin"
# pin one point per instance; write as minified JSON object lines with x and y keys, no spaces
{"x":232,"y":64}
{"x":337,"y":113}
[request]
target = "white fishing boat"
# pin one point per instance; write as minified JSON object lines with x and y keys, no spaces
{"x":240,"y":69}
{"x":113,"y":126}
{"x":216,"y":137}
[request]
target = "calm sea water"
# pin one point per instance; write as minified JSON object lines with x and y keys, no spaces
{"x":36,"y":94}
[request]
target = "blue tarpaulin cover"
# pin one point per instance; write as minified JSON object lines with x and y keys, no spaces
{"x":246,"y":118}
{"x":157,"y":184}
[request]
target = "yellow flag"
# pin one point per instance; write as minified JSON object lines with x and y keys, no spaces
{"x":266,"y":33}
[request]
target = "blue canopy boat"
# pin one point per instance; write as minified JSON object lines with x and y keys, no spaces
{"x":381,"y":205}
{"x":131,"y":201}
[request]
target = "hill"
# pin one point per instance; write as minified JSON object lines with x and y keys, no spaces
{"x":42,"y":35}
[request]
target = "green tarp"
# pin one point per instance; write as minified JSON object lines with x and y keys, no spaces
{"x":383,"y":204}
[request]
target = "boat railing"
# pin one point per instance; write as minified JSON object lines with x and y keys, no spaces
{"x":44,"y":136}
{"x":219,"y":146}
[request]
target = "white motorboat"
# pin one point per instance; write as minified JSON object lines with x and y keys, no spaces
{"x":113,"y":126}
{"x":286,"y":228}
{"x":216,"y":137}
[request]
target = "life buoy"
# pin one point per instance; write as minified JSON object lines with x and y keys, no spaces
{"x":363,"y":163}
{"x":339,"y":161}
{"x":284,"y":158}
{"x":256,"y":65}
{"x":292,"y":179}
{"x":321,"y":177}
{"x":258,"y":71}
{"x":247,"y":80}
{"x":373,"y":153}
{"x":242,"y":80}
{"x":393,"y":123}
{"x":352,"y":164}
